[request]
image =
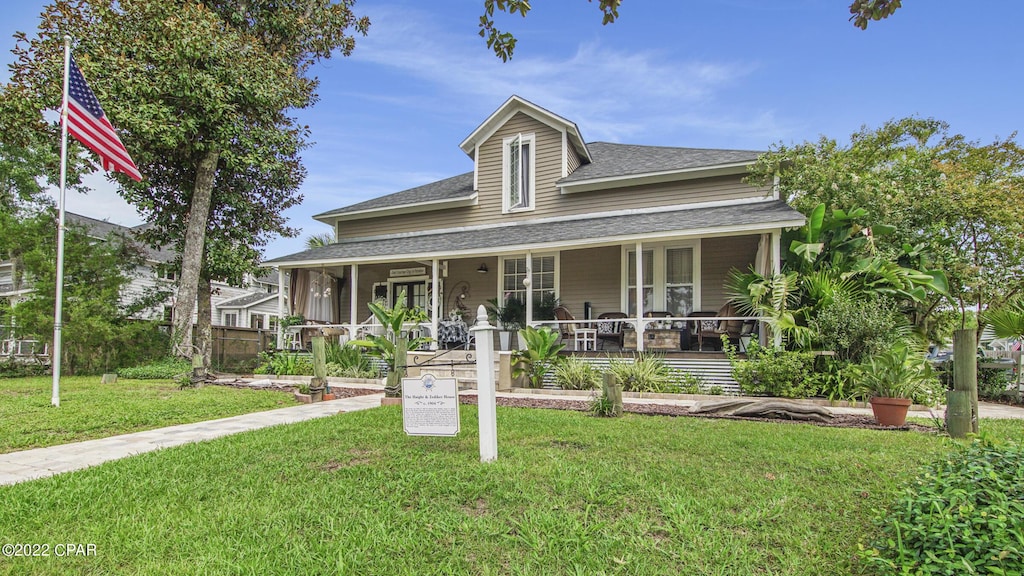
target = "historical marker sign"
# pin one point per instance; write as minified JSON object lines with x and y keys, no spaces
{"x":430,"y":406}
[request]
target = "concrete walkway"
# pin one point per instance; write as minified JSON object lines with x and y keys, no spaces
{"x":44,"y":462}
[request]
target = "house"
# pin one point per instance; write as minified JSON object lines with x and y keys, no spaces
{"x":157,"y":274}
{"x":542,"y":213}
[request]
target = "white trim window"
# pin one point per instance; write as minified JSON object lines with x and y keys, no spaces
{"x":231,"y":319}
{"x":545,"y":277}
{"x":518,"y":156}
{"x":671,"y":278}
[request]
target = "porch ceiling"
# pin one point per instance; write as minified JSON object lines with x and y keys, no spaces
{"x":537,"y":236}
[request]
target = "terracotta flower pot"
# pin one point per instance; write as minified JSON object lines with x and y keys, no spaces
{"x":890,"y":411}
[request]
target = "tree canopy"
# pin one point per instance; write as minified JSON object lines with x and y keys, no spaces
{"x":946,"y":202}
{"x":200,"y":94}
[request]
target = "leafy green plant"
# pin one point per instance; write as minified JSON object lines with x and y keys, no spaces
{"x":510,"y":314}
{"x":164,"y":369}
{"x":767,"y":371}
{"x":540,"y":356}
{"x":690,"y":383}
{"x":601,"y":405}
{"x":961,"y":516}
{"x":855,"y":328}
{"x":832,"y":378}
{"x":899,"y":372}
{"x":575,"y":373}
{"x":715,"y":391}
{"x":286,"y":363}
{"x":394,"y":343}
{"x":644,"y":373}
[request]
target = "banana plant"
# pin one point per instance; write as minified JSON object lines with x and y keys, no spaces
{"x":540,"y":356}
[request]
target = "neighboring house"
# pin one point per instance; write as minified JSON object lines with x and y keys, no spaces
{"x":544,"y":212}
{"x":156,"y":274}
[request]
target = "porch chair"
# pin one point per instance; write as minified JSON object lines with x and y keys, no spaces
{"x":566,"y":325}
{"x":610,"y":331}
{"x":713,"y":328}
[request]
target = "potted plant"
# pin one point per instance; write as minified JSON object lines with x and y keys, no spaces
{"x":539,"y":357}
{"x":391,"y":347}
{"x":510,"y":315}
{"x":891,"y":381}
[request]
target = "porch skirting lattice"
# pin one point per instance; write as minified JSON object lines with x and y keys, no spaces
{"x":711,"y":371}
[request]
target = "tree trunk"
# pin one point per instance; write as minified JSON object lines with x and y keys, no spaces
{"x":204,"y":331}
{"x":192,"y":255}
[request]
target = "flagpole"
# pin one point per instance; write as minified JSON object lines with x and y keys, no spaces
{"x":59,"y":304}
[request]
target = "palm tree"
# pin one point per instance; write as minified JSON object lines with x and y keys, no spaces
{"x":1008,"y":322}
{"x":318,"y":240}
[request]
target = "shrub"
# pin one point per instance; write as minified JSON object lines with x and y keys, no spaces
{"x":163,"y":369}
{"x":690,"y":383}
{"x":574,"y":373}
{"x":832,"y":378}
{"x":352,"y":371}
{"x":645,"y":373}
{"x":961,"y":516}
{"x":12,"y":369}
{"x":767,"y":371}
{"x":285,"y":363}
{"x":856,"y":329}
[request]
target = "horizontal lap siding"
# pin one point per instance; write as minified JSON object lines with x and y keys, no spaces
{"x":718,"y":257}
{"x":590,"y":275}
{"x":549,"y":201}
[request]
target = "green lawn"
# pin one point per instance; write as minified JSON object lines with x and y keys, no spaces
{"x":569,"y":494}
{"x":91,"y":410}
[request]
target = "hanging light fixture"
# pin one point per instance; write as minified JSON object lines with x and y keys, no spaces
{"x":482,"y":269}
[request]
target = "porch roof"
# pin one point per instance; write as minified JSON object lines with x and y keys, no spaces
{"x":551,"y":234}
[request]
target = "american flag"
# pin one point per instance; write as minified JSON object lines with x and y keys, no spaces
{"x":88,"y":124}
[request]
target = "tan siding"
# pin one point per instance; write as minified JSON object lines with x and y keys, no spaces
{"x":718,"y":256}
{"x":590,"y":275}
{"x":574,"y":160}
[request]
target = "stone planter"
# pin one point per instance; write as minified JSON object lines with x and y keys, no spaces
{"x":890,"y":411}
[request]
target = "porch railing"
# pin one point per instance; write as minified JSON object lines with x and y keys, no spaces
{"x":590,"y":331}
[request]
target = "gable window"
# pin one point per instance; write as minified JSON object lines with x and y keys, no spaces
{"x":670,"y":279}
{"x":517,"y":172}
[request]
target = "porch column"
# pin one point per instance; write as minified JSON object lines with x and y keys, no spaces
{"x":353,"y":297}
{"x":280,"y":308}
{"x":435,"y":308}
{"x":640,"y":296}
{"x":528,"y":282}
{"x":777,"y":268}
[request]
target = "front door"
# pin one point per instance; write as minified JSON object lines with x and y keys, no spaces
{"x":415,"y":293}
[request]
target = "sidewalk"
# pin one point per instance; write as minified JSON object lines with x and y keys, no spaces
{"x":44,"y":462}
{"x":26,"y":465}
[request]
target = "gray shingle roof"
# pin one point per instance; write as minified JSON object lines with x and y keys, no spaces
{"x":96,"y":228}
{"x":456,"y":187}
{"x":599,"y":229}
{"x":243,"y":301}
{"x":611,"y":160}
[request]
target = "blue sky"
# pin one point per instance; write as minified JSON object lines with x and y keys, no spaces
{"x":719,"y":74}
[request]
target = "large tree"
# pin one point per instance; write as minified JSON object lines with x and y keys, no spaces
{"x":957,"y":203}
{"x":504,"y":43}
{"x":201,"y":94}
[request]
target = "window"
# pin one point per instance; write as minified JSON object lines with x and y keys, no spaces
{"x":273,"y":322}
{"x":231,"y":319}
{"x":166,"y":273}
{"x":256,"y":321}
{"x":514,"y":272}
{"x":670,"y":279}
{"x":168,"y":313}
{"x":517,"y":172}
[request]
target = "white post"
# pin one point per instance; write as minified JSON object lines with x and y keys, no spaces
{"x":528,"y":283}
{"x":435,"y":304}
{"x":353,"y":298}
{"x":281,"y":312}
{"x":639,"y":296}
{"x":488,"y":416}
{"x":777,"y":268}
{"x":58,"y":312}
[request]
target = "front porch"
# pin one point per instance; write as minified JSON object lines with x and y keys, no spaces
{"x":593,"y":285}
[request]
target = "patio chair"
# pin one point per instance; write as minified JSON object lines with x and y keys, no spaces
{"x":566,"y":325}
{"x":713,"y":328}
{"x":610,"y":331}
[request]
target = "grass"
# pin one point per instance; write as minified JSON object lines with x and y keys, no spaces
{"x":91,"y":410}
{"x":569,"y":494}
